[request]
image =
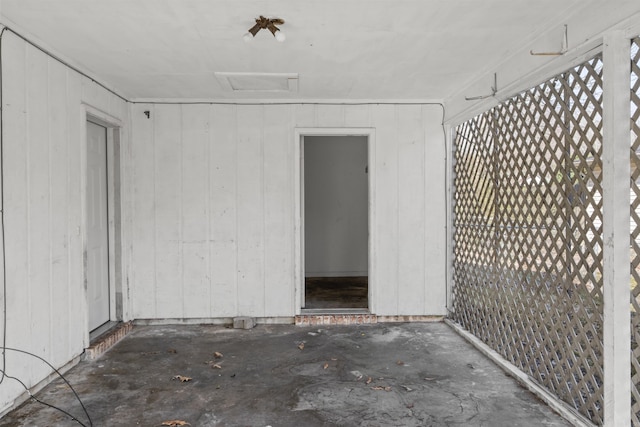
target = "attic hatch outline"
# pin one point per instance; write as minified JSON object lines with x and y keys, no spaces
{"x":258,"y":82}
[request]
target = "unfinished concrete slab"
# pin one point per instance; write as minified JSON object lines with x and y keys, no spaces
{"x":413,"y":374}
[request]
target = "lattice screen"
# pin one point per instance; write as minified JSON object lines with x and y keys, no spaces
{"x":528,"y":233}
{"x":635,"y":231}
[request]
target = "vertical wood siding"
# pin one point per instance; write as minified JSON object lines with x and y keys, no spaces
{"x":214,"y":214}
{"x":207,"y":205}
{"x":43,"y":133}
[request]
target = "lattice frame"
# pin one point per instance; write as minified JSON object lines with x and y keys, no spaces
{"x":528,"y":233}
{"x":635,"y":232}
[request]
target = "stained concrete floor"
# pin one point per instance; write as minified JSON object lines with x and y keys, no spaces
{"x":416,"y":374}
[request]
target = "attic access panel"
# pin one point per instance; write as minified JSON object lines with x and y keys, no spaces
{"x":258,"y":82}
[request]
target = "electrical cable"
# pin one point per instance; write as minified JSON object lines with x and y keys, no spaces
{"x":3,"y":259}
{"x":446,"y":211}
{"x":285,"y":103}
{"x":113,"y":92}
{"x":61,"y":377}
{"x":42,"y":402}
{"x":46,"y":52}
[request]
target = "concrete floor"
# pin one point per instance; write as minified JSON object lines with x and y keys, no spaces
{"x":415,"y":374}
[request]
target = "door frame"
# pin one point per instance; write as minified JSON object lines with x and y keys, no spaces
{"x":114,"y":214}
{"x":298,"y":196}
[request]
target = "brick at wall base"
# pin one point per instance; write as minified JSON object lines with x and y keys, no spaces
{"x":336,"y":319}
{"x":108,"y":340}
{"x":359,"y":319}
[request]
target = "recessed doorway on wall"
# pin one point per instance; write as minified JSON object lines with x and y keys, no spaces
{"x":335,"y":188}
{"x":102,"y":224}
{"x":98,"y":287}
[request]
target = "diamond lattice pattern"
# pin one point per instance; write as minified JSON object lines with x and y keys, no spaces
{"x":528,"y":233}
{"x":635,"y":232}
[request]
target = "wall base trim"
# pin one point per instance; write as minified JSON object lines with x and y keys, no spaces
{"x":547,"y":397}
{"x":274,"y":320}
{"x":410,"y":318}
{"x":358,"y":319}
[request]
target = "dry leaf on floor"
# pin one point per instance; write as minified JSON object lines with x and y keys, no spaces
{"x":369,"y":380}
{"x":380,"y":388}
{"x":301,"y":346}
{"x":399,"y":363}
{"x":406,"y":388}
{"x":216,"y":366}
{"x":182,"y":378}
{"x":325,"y":366}
{"x":175,"y":423}
{"x":172,"y":350}
{"x":217,"y":355}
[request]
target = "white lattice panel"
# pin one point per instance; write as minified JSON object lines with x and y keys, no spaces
{"x":528,"y":233}
{"x":635,"y":232}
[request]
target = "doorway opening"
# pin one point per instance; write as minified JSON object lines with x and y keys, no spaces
{"x":97,"y":216}
{"x":102,"y":224}
{"x":336,"y":222}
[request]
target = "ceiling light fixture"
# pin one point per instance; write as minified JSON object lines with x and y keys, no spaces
{"x":264,"y":23}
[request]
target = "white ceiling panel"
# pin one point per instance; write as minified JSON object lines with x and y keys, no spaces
{"x":341,"y":49}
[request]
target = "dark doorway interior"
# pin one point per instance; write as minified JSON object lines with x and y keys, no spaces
{"x":336,"y":292}
{"x":336,"y":222}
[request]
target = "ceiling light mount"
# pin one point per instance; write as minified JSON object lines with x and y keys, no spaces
{"x":266,"y":23}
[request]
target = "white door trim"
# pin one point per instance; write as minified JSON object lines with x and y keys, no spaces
{"x":97,"y":267}
{"x":298,"y":197}
{"x":113,"y":126}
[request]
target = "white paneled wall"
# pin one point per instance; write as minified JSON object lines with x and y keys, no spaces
{"x":214,"y":210}
{"x":207,"y":208}
{"x":44,"y":122}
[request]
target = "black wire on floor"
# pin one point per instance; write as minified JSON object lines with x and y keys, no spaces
{"x":34,"y":398}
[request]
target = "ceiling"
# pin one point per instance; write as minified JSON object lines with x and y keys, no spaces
{"x":340,"y":49}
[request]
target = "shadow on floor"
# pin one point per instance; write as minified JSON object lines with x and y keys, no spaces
{"x":415,"y":374}
{"x":336,"y":292}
